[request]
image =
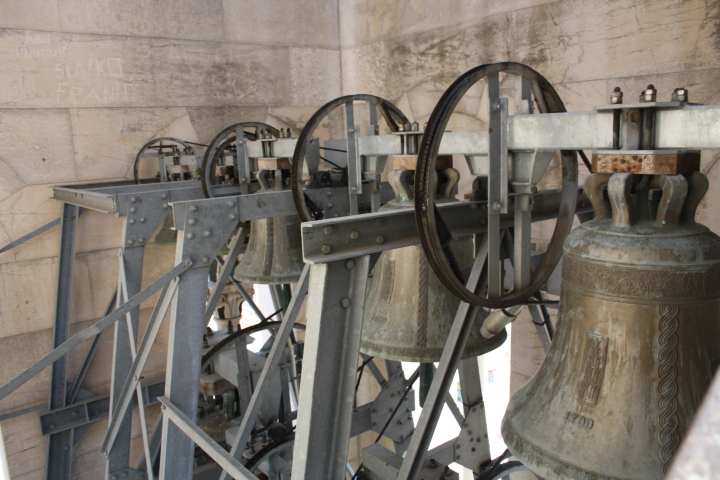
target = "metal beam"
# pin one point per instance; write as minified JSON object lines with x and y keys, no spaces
{"x":91,"y":410}
{"x":348,"y":237}
{"x":89,"y":332}
{"x":60,"y":455}
{"x":452,"y":351}
{"x":30,"y":235}
{"x":332,"y":341}
{"x":271,"y":362}
{"x":130,"y":270}
{"x":186,"y":425}
{"x":235,"y":248}
{"x":133,"y":376}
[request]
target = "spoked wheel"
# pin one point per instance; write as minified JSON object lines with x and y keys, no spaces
{"x":318,"y":163}
{"x":226,"y":155}
{"x":159,"y":149}
{"x":434,"y":233}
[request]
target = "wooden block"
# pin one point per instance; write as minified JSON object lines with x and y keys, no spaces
{"x":650,"y":162}
{"x":268,"y":163}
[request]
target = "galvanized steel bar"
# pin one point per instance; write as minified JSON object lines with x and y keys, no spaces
{"x":353,"y":160}
{"x":271,"y":362}
{"x":327,"y":387}
{"x":227,"y":269}
{"x":60,"y":455}
{"x":130,"y":270}
{"x":89,"y":332}
{"x":30,"y":235}
{"x":449,"y":359}
{"x":132,"y":380}
{"x":195,"y":434}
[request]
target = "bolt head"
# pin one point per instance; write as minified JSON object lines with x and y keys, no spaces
{"x":354,"y":235}
{"x":193,"y":208}
{"x":191,"y":221}
{"x":327,"y":230}
{"x":129,"y":242}
{"x":206,"y":233}
{"x":325,"y":249}
{"x":142,"y":219}
{"x":379,"y":239}
{"x":131,"y":221}
{"x":133,"y":199}
{"x":205,"y":259}
{"x":345,"y":302}
{"x":350,"y":264}
{"x":233,"y":216}
{"x":190,"y":236}
{"x":133,"y":209}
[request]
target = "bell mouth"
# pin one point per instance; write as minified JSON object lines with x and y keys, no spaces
{"x":428,"y":355}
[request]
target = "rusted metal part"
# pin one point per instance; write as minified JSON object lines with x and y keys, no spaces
{"x":646,"y":162}
{"x":636,"y":347}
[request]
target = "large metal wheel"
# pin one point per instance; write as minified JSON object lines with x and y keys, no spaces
{"x":434,"y":234}
{"x":305,"y":168}
{"x":224,"y":151}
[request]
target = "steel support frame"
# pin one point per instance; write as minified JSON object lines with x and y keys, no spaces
{"x":60,"y":445}
{"x":332,"y":342}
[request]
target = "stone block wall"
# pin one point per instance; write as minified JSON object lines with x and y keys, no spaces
{"x":83,"y":85}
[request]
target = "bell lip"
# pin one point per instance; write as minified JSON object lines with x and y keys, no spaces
{"x":557,"y":470}
{"x":380,"y":351}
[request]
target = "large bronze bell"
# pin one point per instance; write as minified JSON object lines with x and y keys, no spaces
{"x":274,"y":251}
{"x":408,"y":312}
{"x":637,"y":340}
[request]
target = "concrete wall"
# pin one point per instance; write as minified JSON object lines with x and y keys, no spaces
{"x":409,"y":51}
{"x":83,"y":85}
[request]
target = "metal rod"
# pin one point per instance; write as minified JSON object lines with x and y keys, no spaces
{"x":133,"y":377}
{"x":353,"y":161}
{"x":227,"y":268}
{"x":28,"y":236}
{"x":452,"y":351}
{"x":89,"y":357}
{"x":59,"y":457}
{"x":230,"y":465}
{"x":248,"y":298}
{"x":89,"y":332}
{"x":327,"y":385}
{"x":271,"y":362}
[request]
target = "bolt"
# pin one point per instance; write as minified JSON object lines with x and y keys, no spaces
{"x":354,"y":235}
{"x":230,"y":203}
{"x":496,"y":206}
{"x":141,"y":240}
{"x":192,"y":221}
{"x":415,"y":126}
{"x":131,"y":221}
{"x":166,"y":205}
{"x":164,"y":196}
{"x":133,"y":199}
{"x":327,"y":230}
{"x":193,"y":208}
{"x":233,"y":216}
{"x":345,"y":302}
{"x":205,"y":259}
{"x":142,"y":219}
{"x":129,"y":242}
{"x":329,"y":193}
{"x":330,"y":205}
{"x":616,"y":97}
{"x":325,"y":249}
{"x":190,"y":236}
{"x":350,"y":264}
{"x":680,"y":95}
{"x":379,"y":239}
{"x":649,"y":94}
{"x":206,"y":233}
{"x":133,"y":209}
